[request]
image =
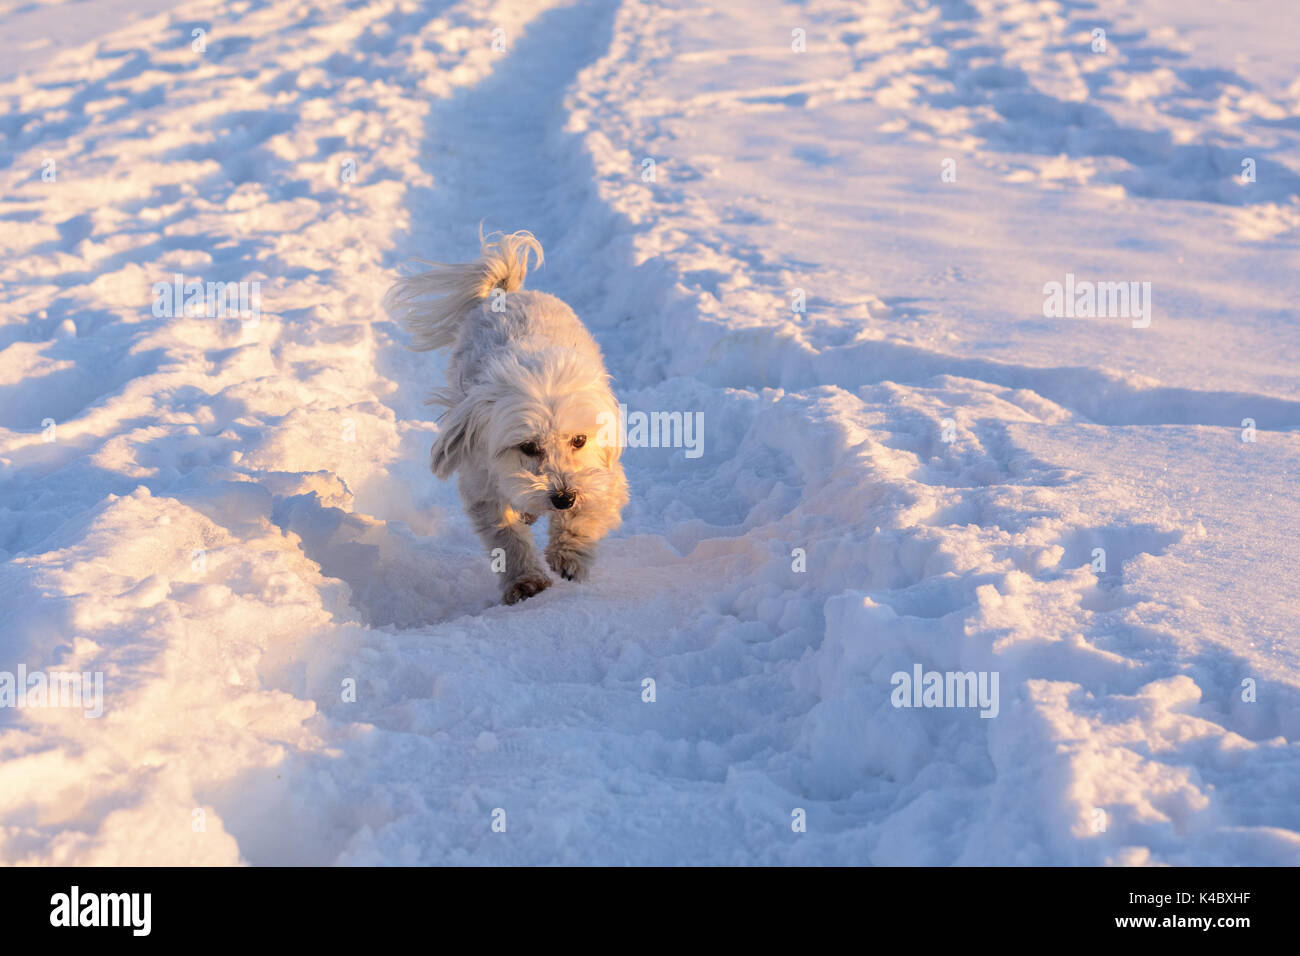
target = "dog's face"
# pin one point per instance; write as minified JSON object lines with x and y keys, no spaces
{"x":558,"y":466}
{"x":535,"y":433}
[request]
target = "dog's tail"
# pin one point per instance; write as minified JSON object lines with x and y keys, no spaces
{"x":502,"y":264}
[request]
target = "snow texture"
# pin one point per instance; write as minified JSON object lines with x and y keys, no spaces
{"x":826,"y":228}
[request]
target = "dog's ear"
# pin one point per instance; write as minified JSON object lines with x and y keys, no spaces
{"x":609,"y":437}
{"x":456,"y":432}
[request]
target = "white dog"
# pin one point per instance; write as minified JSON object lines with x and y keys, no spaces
{"x":527,"y":394}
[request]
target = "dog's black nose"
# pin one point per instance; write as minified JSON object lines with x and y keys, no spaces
{"x":563,"y":500}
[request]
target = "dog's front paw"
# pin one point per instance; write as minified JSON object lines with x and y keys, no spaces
{"x":569,"y":563}
{"x":524,"y":587}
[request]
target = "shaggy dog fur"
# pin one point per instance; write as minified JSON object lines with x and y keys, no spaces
{"x":529,"y":409}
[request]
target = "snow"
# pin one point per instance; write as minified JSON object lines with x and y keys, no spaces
{"x":232,"y":519}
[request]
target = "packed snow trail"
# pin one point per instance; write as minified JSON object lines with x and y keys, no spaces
{"x":304,"y":662}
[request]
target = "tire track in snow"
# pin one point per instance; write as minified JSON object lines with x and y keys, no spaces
{"x":537,"y":708}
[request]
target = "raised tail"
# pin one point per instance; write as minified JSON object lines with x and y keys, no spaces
{"x":434,"y":323}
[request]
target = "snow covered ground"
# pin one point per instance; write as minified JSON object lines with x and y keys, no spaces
{"x":827,"y":227}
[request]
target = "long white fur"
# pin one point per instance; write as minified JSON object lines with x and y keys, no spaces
{"x":523,"y":369}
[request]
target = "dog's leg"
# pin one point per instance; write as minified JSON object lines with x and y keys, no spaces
{"x":571,"y":550}
{"x":502,"y":527}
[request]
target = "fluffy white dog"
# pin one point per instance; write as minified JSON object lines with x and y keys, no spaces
{"x":526,"y":389}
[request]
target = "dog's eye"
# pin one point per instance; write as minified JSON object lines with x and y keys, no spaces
{"x":578,"y":441}
{"x":530,"y":449}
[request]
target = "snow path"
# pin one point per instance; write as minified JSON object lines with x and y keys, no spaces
{"x":232,"y":522}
